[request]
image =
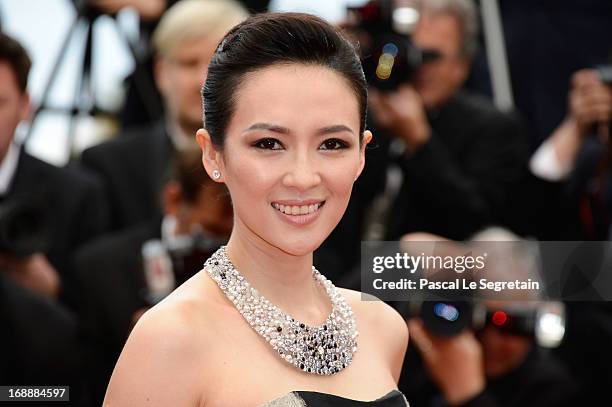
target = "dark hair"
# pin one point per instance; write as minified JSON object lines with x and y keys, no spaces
{"x":16,"y":56}
{"x":269,"y":39}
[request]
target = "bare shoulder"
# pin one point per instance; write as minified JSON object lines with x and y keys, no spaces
{"x":168,"y":342}
{"x":381,"y":318}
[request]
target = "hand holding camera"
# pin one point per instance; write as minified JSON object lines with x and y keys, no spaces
{"x":33,"y":272}
{"x":454,"y":363}
{"x":590,"y":102}
{"x":402,"y":113}
{"x":24,"y":238}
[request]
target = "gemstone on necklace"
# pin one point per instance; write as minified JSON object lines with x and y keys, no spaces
{"x":323,"y":350}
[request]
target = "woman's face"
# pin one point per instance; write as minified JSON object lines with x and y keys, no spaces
{"x":291,"y":155}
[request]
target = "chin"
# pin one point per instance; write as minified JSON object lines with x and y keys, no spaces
{"x":299,"y":248}
{"x":305,"y":239}
{"x":298,"y":244}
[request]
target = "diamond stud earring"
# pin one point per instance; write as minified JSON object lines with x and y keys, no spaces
{"x":216,"y":174}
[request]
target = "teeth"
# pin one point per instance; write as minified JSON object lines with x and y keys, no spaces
{"x":297,"y":210}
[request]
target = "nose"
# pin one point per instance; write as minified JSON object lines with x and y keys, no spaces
{"x":302,"y":174}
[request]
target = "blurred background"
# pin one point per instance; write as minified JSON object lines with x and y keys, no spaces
{"x":491,"y":122}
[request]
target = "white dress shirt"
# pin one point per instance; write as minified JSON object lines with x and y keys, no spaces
{"x":8,"y":167}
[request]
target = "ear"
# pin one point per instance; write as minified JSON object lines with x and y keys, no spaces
{"x":211,"y":157}
{"x":367,"y":137}
{"x":172,"y":198}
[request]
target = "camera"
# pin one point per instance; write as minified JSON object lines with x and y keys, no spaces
{"x":388,"y":56}
{"x":23,"y":228}
{"x":545,"y":323}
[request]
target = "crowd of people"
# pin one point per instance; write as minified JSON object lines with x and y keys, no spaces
{"x":86,"y":249}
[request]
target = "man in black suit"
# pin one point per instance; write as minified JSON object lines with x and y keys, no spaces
{"x":460,"y":153}
{"x":571,"y":182}
{"x":575,"y":160}
{"x":45,"y":214}
{"x":132,"y":165}
{"x":68,"y":203}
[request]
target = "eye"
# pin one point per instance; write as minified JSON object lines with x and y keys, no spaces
{"x":334,"y":144}
{"x":268,"y":144}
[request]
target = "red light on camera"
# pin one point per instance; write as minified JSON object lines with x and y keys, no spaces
{"x":499,"y":318}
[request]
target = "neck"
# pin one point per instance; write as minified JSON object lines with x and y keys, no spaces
{"x":186,"y":128}
{"x":284,"y":279}
{"x":181,"y":132}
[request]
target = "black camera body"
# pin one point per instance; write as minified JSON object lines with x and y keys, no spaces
{"x":545,"y":323}
{"x":388,"y":56}
{"x":24,"y":228}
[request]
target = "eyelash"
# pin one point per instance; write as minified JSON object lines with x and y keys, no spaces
{"x":269,"y":144}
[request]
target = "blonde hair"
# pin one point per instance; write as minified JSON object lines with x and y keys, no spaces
{"x":195,"y":18}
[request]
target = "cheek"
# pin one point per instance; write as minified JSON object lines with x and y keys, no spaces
{"x":10,"y":118}
{"x":448,"y":72}
{"x":249,"y":177}
{"x":339,"y":180}
{"x":340,"y":177}
{"x":181,"y":83}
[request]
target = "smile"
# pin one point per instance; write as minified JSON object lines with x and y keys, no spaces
{"x":295,"y":210}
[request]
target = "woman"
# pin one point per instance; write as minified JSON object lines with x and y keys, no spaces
{"x":285,"y":101}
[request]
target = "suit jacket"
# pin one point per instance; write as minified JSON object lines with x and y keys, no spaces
{"x":38,"y":337}
{"x":39,"y":342}
{"x":72,"y":204}
{"x":132,"y":168}
{"x":460,"y":179}
{"x":558,"y":210}
{"x":110,"y":280}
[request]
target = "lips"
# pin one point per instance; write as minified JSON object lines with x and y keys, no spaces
{"x":294,"y":208}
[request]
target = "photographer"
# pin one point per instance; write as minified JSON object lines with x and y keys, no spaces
{"x":575,"y":160}
{"x":460,"y":154}
{"x":491,"y":368}
{"x":571,"y":182}
{"x":498,"y":358}
{"x":45,"y":214}
{"x":121,"y":274}
{"x":45,"y":211}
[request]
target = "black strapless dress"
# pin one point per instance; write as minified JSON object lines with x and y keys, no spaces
{"x":394,"y":398}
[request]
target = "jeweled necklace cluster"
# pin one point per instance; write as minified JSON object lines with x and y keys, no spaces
{"x":325,"y":349}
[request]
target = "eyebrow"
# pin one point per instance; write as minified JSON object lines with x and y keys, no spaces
{"x":337,"y":128}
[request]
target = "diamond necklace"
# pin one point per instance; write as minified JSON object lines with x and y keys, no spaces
{"x":324,"y":350}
